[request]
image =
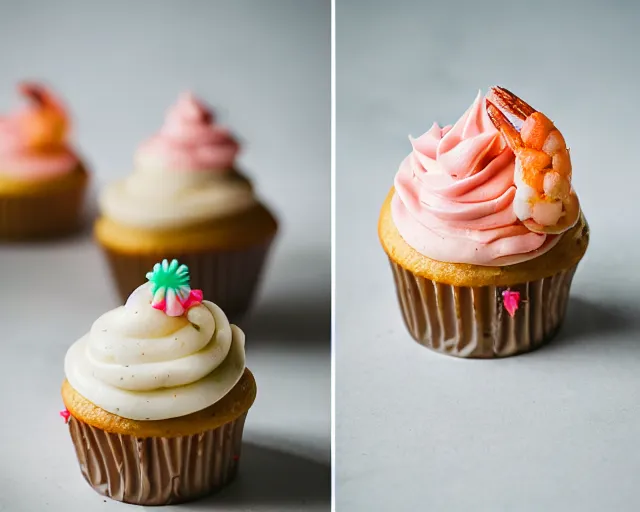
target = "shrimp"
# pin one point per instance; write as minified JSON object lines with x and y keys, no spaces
{"x":545,"y":201}
{"x":44,"y":126}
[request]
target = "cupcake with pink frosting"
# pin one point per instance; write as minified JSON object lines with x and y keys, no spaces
{"x":187,"y":200}
{"x":484,"y":231}
{"x":42,"y":180}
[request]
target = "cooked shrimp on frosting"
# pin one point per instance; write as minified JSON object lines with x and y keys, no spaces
{"x":545,"y":201}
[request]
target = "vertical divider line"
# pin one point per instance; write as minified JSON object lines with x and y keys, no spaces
{"x":332,"y":43}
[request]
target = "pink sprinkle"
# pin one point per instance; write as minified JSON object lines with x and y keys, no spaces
{"x":511,"y":301}
{"x":194,"y":298}
{"x":66,"y":415}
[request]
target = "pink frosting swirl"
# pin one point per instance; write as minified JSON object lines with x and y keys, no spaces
{"x":454,"y":196}
{"x":33,"y":140}
{"x":189,"y":140}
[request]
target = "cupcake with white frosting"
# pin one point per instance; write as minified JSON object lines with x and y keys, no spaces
{"x":156,"y":394}
{"x":187,"y":200}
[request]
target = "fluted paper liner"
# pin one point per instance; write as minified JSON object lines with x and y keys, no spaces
{"x":473,"y":322}
{"x":227,"y":278}
{"x":157,"y":470}
{"x":52,"y":213}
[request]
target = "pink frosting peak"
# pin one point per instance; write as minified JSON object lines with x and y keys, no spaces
{"x":190,"y":140}
{"x":33,"y":141}
{"x":454,"y":196}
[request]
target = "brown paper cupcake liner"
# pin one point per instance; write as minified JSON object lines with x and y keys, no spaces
{"x":55,"y":213}
{"x":227,"y":278}
{"x":157,"y":470}
{"x":473,"y":322}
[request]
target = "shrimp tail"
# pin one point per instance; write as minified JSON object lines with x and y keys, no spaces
{"x":45,"y":125}
{"x":511,"y":103}
{"x":500,"y":121}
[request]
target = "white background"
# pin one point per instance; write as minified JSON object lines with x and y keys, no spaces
{"x":555,"y":430}
{"x":264,"y":66}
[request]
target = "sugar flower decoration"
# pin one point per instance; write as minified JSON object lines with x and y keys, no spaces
{"x":169,"y":284}
{"x":66,"y":415}
{"x":511,"y":301}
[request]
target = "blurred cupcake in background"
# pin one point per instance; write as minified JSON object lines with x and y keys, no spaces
{"x":187,"y":200}
{"x":42,"y":180}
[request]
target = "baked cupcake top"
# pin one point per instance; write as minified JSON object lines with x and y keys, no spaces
{"x":166,"y":353}
{"x":183,"y":175}
{"x":33,"y":140}
{"x":465,"y":194}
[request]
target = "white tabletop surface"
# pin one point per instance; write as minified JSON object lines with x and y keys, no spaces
{"x":265,"y":69}
{"x":555,"y":430}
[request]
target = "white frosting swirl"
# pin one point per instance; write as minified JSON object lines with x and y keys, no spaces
{"x":183,"y":175}
{"x":157,"y":198}
{"x":139,"y":363}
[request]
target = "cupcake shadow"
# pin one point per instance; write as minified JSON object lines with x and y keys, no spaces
{"x":271,"y":477}
{"x":291,"y":320}
{"x":587,"y":322}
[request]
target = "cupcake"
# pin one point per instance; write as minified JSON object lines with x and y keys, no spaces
{"x":157,"y":393}
{"x":187,"y":200}
{"x":484,"y":231}
{"x":42,"y":180}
